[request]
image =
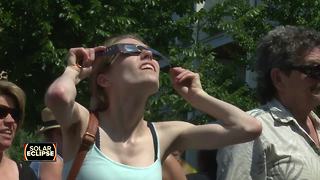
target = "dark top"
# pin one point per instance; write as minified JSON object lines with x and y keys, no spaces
{"x":25,"y":172}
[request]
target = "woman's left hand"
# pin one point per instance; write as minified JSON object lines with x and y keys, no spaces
{"x":186,"y":82}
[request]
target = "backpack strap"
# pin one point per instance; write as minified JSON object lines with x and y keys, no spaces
{"x":88,"y":140}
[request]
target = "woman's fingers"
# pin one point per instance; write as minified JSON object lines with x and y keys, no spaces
{"x":186,"y":75}
{"x":87,"y":62}
{"x":83,"y":57}
{"x":77,"y":56}
{"x":180,"y":74}
{"x":99,"y":48}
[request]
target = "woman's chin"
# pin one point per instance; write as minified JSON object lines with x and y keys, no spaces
{"x":5,"y":145}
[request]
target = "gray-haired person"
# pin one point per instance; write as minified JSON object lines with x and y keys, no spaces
{"x":288,"y":69}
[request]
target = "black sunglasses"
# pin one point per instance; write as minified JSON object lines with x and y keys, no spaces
{"x":312,"y":71}
{"x":4,"y":111}
{"x":131,"y":49}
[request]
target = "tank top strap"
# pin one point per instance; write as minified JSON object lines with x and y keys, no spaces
{"x":97,"y":140}
{"x":154,"y":138}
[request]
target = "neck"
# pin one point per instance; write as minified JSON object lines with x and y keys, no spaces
{"x":3,"y":158}
{"x":300,"y":111}
{"x":124,"y":115}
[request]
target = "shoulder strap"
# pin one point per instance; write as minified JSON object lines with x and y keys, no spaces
{"x":87,"y":140}
{"x":155,"y":140}
{"x":97,"y":141}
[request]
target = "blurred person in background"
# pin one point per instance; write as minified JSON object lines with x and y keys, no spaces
{"x":12,"y":111}
{"x":51,"y":132}
{"x":172,"y":169}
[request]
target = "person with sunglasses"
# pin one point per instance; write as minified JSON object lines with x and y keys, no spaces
{"x":288,"y":85}
{"x":12,"y":110}
{"x":124,"y":74}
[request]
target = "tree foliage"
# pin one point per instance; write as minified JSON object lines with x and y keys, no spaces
{"x":35,"y":36}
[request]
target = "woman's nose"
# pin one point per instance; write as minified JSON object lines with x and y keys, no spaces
{"x":146,"y":55}
{"x":9,"y":119}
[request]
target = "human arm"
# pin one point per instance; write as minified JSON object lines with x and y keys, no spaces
{"x":61,"y":94}
{"x":171,"y":169}
{"x":237,"y":126}
{"x":51,"y":170}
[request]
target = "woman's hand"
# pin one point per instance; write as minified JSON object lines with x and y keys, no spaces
{"x":81,"y":60}
{"x":186,"y":83}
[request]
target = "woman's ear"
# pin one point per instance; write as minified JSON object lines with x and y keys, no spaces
{"x":103,"y":81}
{"x":277,"y":78}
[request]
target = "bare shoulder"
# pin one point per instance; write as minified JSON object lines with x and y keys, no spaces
{"x":9,"y":162}
{"x":176,"y":126}
{"x":168,"y":132}
{"x":9,"y":168}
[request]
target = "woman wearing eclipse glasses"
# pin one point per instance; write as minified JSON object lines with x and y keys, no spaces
{"x":123,"y":74}
{"x":12,"y":108}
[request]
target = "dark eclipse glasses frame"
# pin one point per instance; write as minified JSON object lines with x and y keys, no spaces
{"x":4,"y":111}
{"x":312,"y":71}
{"x":163,"y":61}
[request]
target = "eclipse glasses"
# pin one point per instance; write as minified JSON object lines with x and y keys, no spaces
{"x":134,"y":49}
{"x":312,"y":71}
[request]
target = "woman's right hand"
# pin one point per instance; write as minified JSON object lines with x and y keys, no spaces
{"x":81,"y":60}
{"x":186,"y":83}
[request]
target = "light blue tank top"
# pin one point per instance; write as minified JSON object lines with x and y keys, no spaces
{"x":98,"y":166}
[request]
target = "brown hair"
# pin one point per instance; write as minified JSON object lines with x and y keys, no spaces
{"x":101,"y":65}
{"x":17,"y":94}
